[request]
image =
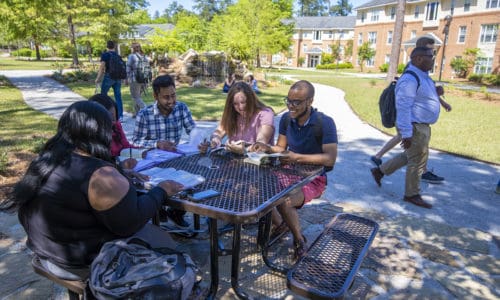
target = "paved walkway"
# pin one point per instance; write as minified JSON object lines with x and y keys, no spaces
{"x":448,"y":252}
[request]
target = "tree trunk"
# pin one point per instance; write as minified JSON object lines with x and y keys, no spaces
{"x":396,"y":41}
{"x":37,"y":50}
{"x":72,"y":38}
{"x":258,"y":59}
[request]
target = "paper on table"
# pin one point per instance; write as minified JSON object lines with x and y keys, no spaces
{"x":157,"y":175}
{"x":188,"y":149}
{"x":154,"y":157}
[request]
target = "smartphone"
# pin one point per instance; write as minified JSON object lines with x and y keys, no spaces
{"x":204,"y":195}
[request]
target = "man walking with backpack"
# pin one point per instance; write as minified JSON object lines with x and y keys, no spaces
{"x":111,"y":72}
{"x":417,"y":107}
{"x":136,"y":77}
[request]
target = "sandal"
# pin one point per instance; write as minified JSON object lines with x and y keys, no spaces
{"x":300,"y":248}
{"x":278,"y":232}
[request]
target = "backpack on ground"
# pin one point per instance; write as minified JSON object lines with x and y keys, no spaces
{"x":131,"y":269}
{"x":117,"y":67}
{"x":387,"y":102}
{"x":143,"y":73}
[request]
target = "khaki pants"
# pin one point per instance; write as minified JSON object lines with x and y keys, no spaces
{"x":135,"y":93}
{"x":415,"y":159}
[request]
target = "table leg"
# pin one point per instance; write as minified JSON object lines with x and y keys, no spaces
{"x":235,"y":262}
{"x":214,"y":258}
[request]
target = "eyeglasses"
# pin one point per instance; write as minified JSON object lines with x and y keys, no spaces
{"x":432,"y":56}
{"x":293,"y":103}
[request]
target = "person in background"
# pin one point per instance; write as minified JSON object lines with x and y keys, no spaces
{"x":252,"y":82}
{"x":228,"y":83}
{"x":72,"y":198}
{"x":298,"y":142}
{"x":245,"y":120}
{"x":135,"y":87}
{"x":107,"y":82}
{"x":417,"y":108}
{"x":160,"y":126}
{"x":428,"y":176}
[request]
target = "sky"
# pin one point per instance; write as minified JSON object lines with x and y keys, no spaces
{"x":161,"y":5}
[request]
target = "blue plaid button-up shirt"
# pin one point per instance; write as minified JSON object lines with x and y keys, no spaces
{"x":151,"y":126}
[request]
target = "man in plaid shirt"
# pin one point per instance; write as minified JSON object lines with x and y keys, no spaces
{"x":160,"y":125}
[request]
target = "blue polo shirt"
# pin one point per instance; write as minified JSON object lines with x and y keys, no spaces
{"x":302,"y":139}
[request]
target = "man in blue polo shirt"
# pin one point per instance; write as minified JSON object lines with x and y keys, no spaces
{"x":299,"y":140}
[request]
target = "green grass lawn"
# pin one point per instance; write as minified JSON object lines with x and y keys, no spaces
{"x":468,"y":130}
{"x":11,"y":63}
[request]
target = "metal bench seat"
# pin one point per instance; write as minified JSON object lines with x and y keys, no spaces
{"x":75,"y":287}
{"x":328,"y":268}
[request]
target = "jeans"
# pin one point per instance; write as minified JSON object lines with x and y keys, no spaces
{"x":108,"y":83}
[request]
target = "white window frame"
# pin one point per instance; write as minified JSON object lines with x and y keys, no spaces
{"x":432,"y":11}
{"x":492,"y":4}
{"x":462,"y":32}
{"x":375,"y":15}
{"x":413,"y":34}
{"x":304,"y":47}
{"x":317,"y":35}
{"x":483,"y":65}
{"x":489,"y":34}
{"x":370,"y":62}
{"x":467,"y":4}
{"x":372,"y":38}
{"x":389,"y":37}
{"x":393,"y":12}
{"x":360,"y":38}
{"x":416,"y":14}
{"x":387,"y":59}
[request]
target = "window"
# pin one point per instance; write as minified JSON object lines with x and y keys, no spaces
{"x":370,"y":62}
{"x":413,"y":34}
{"x":462,"y":31}
{"x":432,"y":11}
{"x":393,"y":12}
{"x":387,"y":58}
{"x":389,"y":37}
{"x":492,"y":4}
{"x":363,"y":17}
{"x":372,"y":37}
{"x":317,"y":35}
{"x":304,"y":47}
{"x":375,"y":15}
{"x":467,"y":5}
{"x":360,"y":38}
{"x":341,"y":34}
{"x":328,"y":49}
{"x":417,"y":12}
{"x":330,"y":34}
{"x":483,"y":65}
{"x":489,"y":33}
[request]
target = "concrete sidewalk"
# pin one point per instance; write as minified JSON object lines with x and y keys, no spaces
{"x":448,"y":252}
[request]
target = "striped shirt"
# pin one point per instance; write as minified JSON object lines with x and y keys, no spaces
{"x":151,"y":126}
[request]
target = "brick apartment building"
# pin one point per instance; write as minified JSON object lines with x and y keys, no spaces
{"x":472,"y":24}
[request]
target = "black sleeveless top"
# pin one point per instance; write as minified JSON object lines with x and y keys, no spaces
{"x":63,"y":228}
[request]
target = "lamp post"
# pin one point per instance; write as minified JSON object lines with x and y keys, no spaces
{"x":446,"y":30}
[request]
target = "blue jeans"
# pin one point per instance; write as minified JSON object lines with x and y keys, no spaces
{"x":108,"y":83}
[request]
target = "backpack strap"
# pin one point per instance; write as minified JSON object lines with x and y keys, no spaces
{"x":414,"y":75}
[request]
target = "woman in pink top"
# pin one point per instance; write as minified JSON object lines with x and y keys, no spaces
{"x":245,"y":119}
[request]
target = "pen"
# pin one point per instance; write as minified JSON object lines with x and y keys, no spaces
{"x":130,"y":152}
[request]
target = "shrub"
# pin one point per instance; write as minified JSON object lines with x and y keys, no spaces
{"x":384,"y":68}
{"x":22,"y":52}
{"x":344,"y":65}
{"x":491,"y":79}
{"x":478,"y":78}
{"x":327,"y":59}
{"x":43,"y":54}
{"x":401,"y":68}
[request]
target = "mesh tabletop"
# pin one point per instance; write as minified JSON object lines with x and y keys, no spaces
{"x":247,"y":191}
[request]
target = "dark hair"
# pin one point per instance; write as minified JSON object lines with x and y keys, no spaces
{"x":230,"y":115}
{"x":162,"y":81}
{"x":110,"y":45}
{"x":84,"y":125}
{"x":105,"y":101}
{"x":304,"y":85}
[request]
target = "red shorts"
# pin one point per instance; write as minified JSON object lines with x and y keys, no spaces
{"x":312,"y":190}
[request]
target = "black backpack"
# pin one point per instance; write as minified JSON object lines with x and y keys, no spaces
{"x":117,"y":67}
{"x":387,"y":102}
{"x":143,"y":72}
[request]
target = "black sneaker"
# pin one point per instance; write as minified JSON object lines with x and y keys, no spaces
{"x":177,"y":217}
{"x":376,"y":161}
{"x":432,"y":178}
